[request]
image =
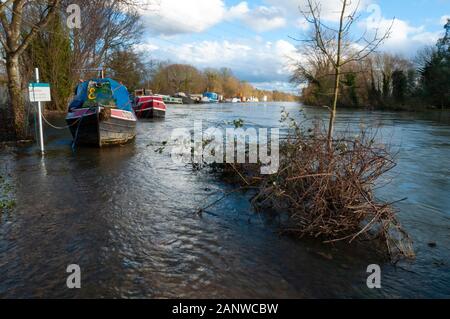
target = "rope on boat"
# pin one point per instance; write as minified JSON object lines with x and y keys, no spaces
{"x":74,"y":142}
{"x":59,"y":127}
{"x":78,"y":121}
{"x":62,"y":127}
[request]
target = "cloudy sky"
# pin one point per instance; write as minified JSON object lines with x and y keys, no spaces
{"x":254,"y":37}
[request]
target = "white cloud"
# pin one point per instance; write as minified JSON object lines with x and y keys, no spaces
{"x":238,"y":12}
{"x":444,"y":19}
{"x":169,"y":17}
{"x":212,"y":53}
{"x":254,"y":58}
{"x":263,"y":18}
{"x":330,"y":9}
{"x":250,"y":60}
{"x":288,"y":55}
{"x":404,"y":38}
{"x":146,"y":47}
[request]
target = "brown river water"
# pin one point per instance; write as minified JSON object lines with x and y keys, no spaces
{"x":126,"y":215}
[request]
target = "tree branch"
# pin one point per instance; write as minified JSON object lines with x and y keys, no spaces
{"x":51,"y":9}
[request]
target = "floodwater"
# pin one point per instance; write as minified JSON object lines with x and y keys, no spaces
{"x":126,"y":216}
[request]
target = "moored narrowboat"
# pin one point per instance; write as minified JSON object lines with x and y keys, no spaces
{"x":209,"y":97}
{"x":101,"y":114}
{"x":170,"y":99}
{"x":149,"y":107}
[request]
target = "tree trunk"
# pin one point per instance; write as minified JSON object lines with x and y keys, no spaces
{"x":337,"y":79}
{"x":17,"y":103}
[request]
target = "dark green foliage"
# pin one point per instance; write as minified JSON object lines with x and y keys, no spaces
{"x":51,"y":52}
{"x":374,"y":95}
{"x":386,"y":85}
{"x":350,"y":82}
{"x":435,"y":73}
{"x":435,"y":80}
{"x":412,"y":82}
{"x":399,"y":86}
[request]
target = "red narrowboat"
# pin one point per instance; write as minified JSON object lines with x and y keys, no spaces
{"x":149,"y":107}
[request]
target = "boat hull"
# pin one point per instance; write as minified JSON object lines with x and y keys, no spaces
{"x":151,"y":113}
{"x":208,"y":102}
{"x":150,"y":107}
{"x":102,"y":127}
{"x":188,"y":100}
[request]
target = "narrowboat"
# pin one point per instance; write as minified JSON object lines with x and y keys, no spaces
{"x":149,"y":107}
{"x":167,"y":99}
{"x":210,"y":97}
{"x":186,"y":99}
{"x":101,"y":114}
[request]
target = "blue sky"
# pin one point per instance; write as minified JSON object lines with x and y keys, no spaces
{"x":253,"y":37}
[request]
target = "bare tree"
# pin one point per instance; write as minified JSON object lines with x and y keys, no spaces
{"x":15,"y":36}
{"x":107,"y":26}
{"x":336,"y":46}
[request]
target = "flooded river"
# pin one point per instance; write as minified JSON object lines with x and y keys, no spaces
{"x":126,"y":215}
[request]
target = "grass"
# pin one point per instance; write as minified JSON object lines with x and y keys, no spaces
{"x":7,"y":202}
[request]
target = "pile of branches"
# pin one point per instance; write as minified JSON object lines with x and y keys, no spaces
{"x":328,"y":194}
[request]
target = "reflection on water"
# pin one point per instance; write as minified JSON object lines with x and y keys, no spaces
{"x":126,"y":216}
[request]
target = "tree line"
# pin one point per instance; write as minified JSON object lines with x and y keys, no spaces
{"x":380,"y":80}
{"x":137,"y":72}
{"x":172,"y":78}
{"x":37,"y":34}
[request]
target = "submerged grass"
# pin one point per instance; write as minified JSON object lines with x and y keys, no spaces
{"x":7,"y":202}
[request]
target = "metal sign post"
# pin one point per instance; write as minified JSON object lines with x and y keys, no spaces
{"x":41,"y":130}
{"x":40,"y":92}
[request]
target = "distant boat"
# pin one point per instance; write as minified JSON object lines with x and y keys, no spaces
{"x":196,"y":97}
{"x":170,"y":100}
{"x":252,"y":99}
{"x":210,"y":97}
{"x":101,"y":114}
{"x":149,"y":106}
{"x":233,"y":100}
{"x":187,"y":99}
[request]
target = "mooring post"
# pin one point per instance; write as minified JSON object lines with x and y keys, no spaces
{"x":41,"y":130}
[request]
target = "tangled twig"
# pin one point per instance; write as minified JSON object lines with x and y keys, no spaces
{"x":329,"y":194}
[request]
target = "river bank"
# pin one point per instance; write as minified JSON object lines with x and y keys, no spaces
{"x":127,"y":216}
{"x":393,"y":107}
